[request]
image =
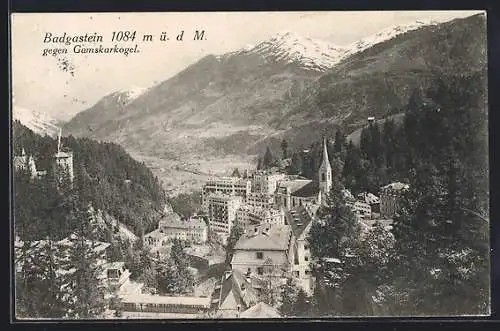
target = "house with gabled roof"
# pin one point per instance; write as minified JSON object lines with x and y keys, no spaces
{"x":236,"y":295}
{"x":300,"y":220}
{"x":264,"y":249}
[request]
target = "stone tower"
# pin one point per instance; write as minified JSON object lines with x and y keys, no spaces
{"x":63,"y":161}
{"x":325,"y":172}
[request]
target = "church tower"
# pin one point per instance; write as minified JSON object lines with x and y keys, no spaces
{"x":325,"y":172}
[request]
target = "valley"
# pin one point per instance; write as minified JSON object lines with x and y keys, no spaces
{"x":224,"y":110}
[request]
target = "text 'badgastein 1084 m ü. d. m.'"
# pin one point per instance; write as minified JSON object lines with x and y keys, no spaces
{"x":90,"y":43}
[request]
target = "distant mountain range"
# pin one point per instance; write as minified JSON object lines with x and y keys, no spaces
{"x":36,"y":121}
{"x":288,"y":86}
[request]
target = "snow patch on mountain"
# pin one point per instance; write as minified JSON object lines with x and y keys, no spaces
{"x":36,"y":121}
{"x":386,"y":34}
{"x":308,"y":53}
{"x":127,"y":96}
{"x":289,"y":47}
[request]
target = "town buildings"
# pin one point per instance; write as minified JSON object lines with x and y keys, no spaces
{"x":27,"y":163}
{"x":264,"y":250}
{"x":301,"y":220}
{"x":232,"y":186}
{"x":236,"y":295}
{"x":249,"y":216}
{"x":171,"y":226}
{"x":265,"y":183}
{"x":222,"y":213}
{"x":260,"y":200}
{"x":297,"y":192}
{"x":390,"y":198}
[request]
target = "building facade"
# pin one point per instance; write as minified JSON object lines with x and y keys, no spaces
{"x":222,"y":213}
{"x":301,"y":220}
{"x":362,"y":209}
{"x":266,"y":183}
{"x":63,"y":162}
{"x":264,"y":250}
{"x":226,"y":186}
{"x":247,"y":216}
{"x":27,"y":163}
{"x":260,"y":200}
{"x":171,"y":227}
{"x":193,"y":230}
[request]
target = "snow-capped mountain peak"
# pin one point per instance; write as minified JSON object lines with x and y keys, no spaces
{"x":129,"y":95}
{"x":36,"y":121}
{"x":386,"y":34}
{"x":290,"y":47}
{"x":306,"y":52}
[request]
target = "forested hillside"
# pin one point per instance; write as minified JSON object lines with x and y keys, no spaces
{"x":446,"y":121}
{"x":105,"y":176}
{"x":436,"y":261}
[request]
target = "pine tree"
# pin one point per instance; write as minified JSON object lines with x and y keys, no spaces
{"x":296,"y":164}
{"x":268,"y":160}
{"x":302,"y":306}
{"x":289,"y":293}
{"x":37,"y":282}
{"x":284,"y":148}
{"x":85,"y":289}
{"x":338,"y":225}
{"x":340,"y":144}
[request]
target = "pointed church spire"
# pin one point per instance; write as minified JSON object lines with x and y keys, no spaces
{"x":23,"y":152}
{"x":325,"y":171}
{"x":325,"y":152}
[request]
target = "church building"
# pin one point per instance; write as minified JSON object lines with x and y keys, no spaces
{"x":300,"y":191}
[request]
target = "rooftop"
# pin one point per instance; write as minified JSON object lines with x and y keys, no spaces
{"x":172,"y":220}
{"x":276,"y":238}
{"x":232,"y":285}
{"x":294,"y":185}
{"x":63,"y":154}
{"x":298,"y":219}
{"x":397,"y":186}
{"x":260,"y":310}
{"x":155,"y":234}
{"x":309,"y":190}
{"x":228,"y":180}
{"x":160,"y":299}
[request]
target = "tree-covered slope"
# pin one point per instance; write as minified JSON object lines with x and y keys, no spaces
{"x":105,"y":176}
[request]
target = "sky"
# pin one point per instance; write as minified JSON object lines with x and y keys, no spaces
{"x":39,"y":84}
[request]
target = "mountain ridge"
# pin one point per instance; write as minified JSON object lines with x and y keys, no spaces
{"x":239,"y":103}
